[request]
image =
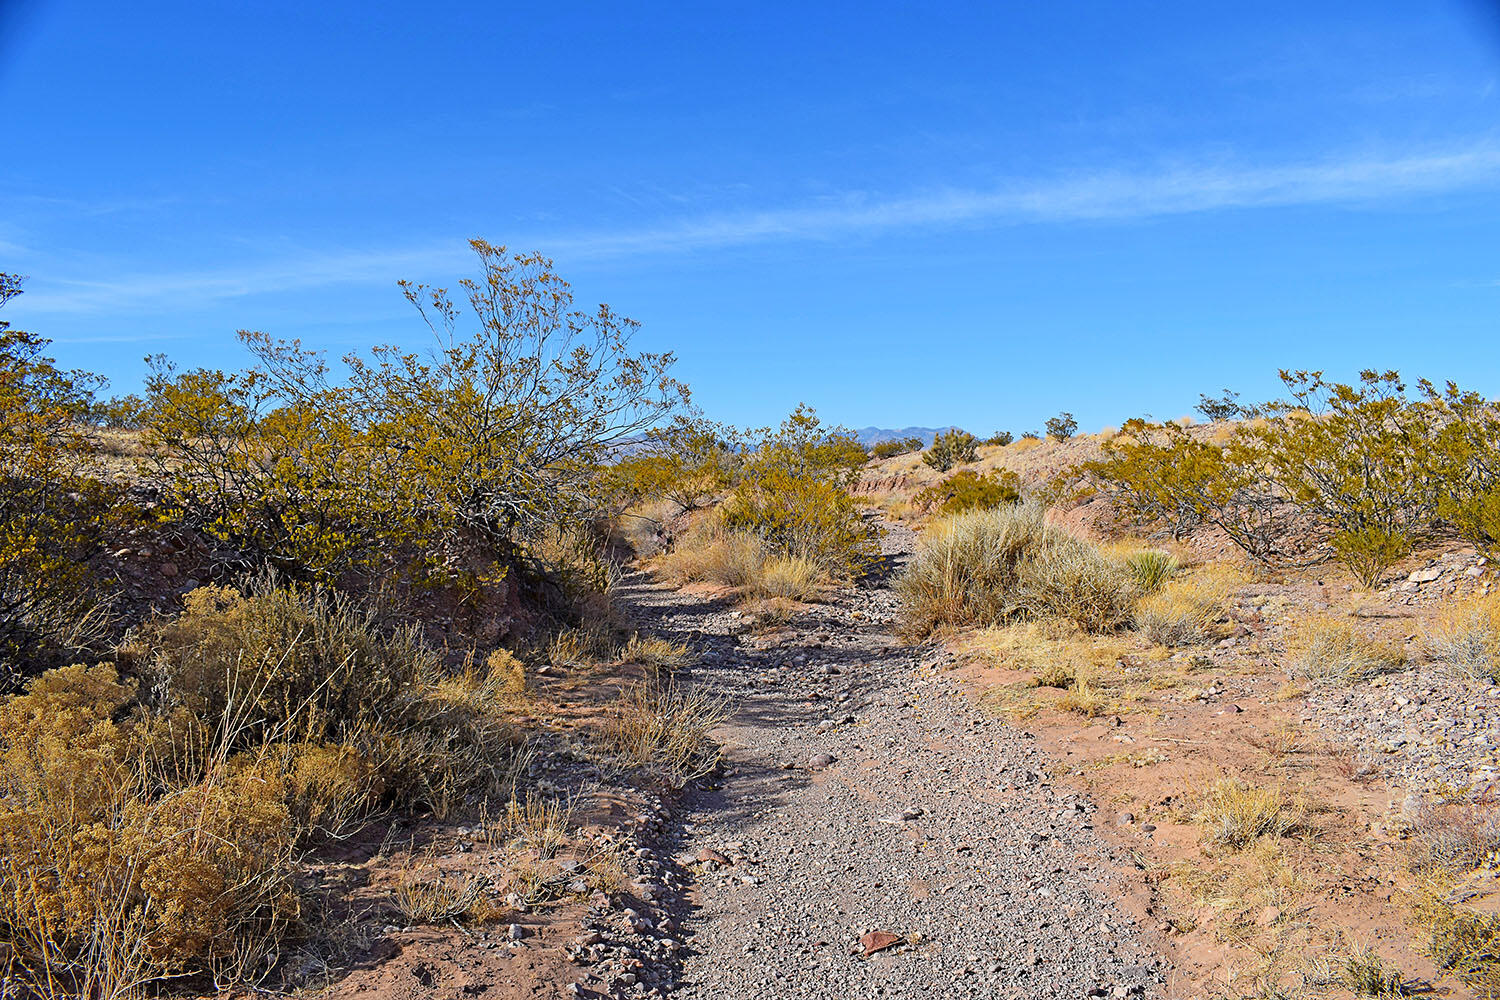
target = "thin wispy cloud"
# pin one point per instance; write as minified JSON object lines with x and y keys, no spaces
{"x":1091,"y":196}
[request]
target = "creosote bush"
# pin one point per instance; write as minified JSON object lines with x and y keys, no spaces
{"x":1061,"y":427}
{"x":1366,"y":470}
{"x":969,"y":490}
{"x":900,"y":446}
{"x":951,"y":448}
{"x":54,"y":511}
{"x":1007,"y":564}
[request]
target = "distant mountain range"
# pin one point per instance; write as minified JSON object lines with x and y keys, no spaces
{"x":869,"y":436}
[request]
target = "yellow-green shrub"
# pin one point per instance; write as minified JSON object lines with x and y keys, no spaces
{"x":969,"y":490}
{"x":793,"y":494}
{"x":108,"y":880}
{"x":950,"y":448}
{"x":54,"y":511}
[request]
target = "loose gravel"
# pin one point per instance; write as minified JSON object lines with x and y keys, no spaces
{"x":871,"y":833}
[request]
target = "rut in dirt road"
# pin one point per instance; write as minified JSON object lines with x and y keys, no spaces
{"x":863,"y":793}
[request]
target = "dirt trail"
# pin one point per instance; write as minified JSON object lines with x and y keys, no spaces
{"x":863,"y":792}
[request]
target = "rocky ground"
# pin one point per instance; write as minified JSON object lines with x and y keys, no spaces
{"x":871,"y":833}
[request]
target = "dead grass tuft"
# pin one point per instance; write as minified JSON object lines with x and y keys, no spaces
{"x":1235,"y":813}
{"x":424,"y":896}
{"x":992,"y":567}
{"x":1188,"y":611}
{"x":1466,"y":638}
{"x":663,"y":728}
{"x":1328,"y":650}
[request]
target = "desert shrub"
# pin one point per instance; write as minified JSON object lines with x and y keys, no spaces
{"x":969,"y":490}
{"x":688,"y":461}
{"x":1332,"y":650}
{"x":1161,"y":473}
{"x":1235,"y":813}
{"x":995,"y":566}
{"x":1152,"y":568}
{"x":899,"y":446}
{"x":951,"y":448}
{"x":1000,"y":438}
{"x":1461,"y":940}
{"x":1466,"y":638}
{"x":794,"y":496}
{"x":493,"y":440}
{"x":1061,"y":427}
{"x":277,"y":667}
{"x":1464,"y":465}
{"x":1367,"y":468}
{"x":1030,"y":436}
{"x":1446,"y":847}
{"x":663,"y":728}
{"x":112,"y":878}
{"x":1184,"y":612}
{"x":1221,"y":407}
{"x":54,"y":512}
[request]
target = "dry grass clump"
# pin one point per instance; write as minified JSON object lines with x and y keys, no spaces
{"x":1461,"y":940}
{"x":711,"y":555}
{"x":536,"y":822}
{"x":1235,"y":813}
{"x":423,"y":896}
{"x":742,"y":561}
{"x":1328,"y":650}
{"x":1084,"y":698}
{"x":790,"y":578}
{"x":1466,"y":638}
{"x":664,"y":728}
{"x":995,"y":566}
{"x":657,"y":655}
{"x":1365,"y":974}
{"x":1186,"y":612}
{"x":1452,"y":850}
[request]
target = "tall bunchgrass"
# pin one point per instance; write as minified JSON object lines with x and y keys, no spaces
{"x":1006,"y":564}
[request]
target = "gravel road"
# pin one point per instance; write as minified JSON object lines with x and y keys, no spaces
{"x":863,"y":793}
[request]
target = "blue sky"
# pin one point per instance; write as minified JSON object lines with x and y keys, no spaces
{"x":900,"y":213}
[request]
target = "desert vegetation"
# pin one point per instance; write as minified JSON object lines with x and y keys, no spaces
{"x":378,"y":561}
{"x":250,"y":615}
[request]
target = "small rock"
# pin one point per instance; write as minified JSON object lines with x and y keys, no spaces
{"x":1125,"y":818}
{"x":169,"y":569}
{"x":819,"y":761}
{"x":1425,"y":575}
{"x":913,"y":813}
{"x":879,"y":941}
{"x":708,"y":854}
{"x":516,"y":932}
